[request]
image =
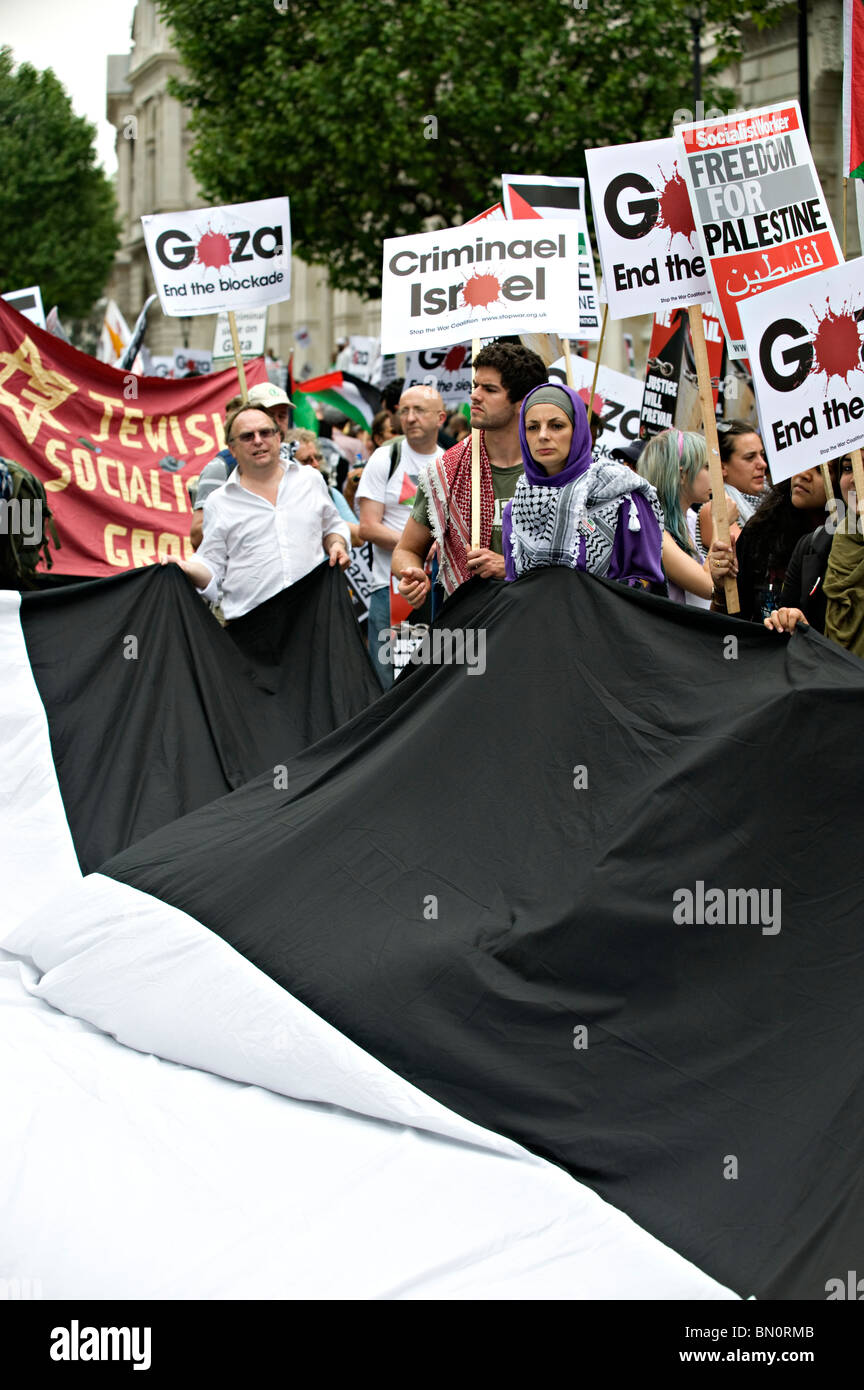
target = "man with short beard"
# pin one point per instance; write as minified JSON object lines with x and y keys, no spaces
{"x":268,"y":525}
{"x":504,"y":373}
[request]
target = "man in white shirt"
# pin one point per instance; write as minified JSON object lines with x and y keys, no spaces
{"x":268,"y":525}
{"x":384,"y":500}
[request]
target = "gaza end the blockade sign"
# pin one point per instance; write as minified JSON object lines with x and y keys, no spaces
{"x":465,"y":282}
{"x":210,"y":259}
{"x":758,"y":206}
{"x":644,"y":227}
{"x":804,"y":342}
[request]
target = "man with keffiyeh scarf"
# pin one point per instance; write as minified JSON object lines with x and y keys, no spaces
{"x":504,"y":372}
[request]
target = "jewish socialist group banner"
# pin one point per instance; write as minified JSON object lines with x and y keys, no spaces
{"x":114,"y":450}
{"x":644,"y":227}
{"x":758,"y":206}
{"x":464,"y":282}
{"x":233,"y":257}
{"x":805,"y":353}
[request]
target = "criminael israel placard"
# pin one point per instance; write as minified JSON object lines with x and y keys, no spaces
{"x":209,"y":259}
{"x":467,"y":282}
{"x":758,"y":206}
{"x":804,"y":342}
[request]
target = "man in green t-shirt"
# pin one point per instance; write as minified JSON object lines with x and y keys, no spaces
{"x":504,"y":373}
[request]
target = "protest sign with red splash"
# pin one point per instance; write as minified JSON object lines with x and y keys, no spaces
{"x":644,"y":226}
{"x":758,"y":206}
{"x":210,"y":259}
{"x":805,"y":348}
{"x":480,"y":280}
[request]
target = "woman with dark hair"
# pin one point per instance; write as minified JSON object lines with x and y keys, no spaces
{"x":807,"y":587}
{"x":742,"y":459}
{"x":791,"y":509}
{"x":567,"y":510}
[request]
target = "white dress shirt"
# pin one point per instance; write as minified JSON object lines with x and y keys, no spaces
{"x":253,"y":550}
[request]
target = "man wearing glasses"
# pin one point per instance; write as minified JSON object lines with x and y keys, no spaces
{"x":268,"y":525}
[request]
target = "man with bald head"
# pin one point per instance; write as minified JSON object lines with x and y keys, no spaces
{"x":384,"y":500}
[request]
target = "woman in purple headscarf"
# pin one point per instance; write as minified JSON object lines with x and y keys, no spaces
{"x":568,"y":510}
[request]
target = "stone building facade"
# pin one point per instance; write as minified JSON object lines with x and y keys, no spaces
{"x":153,"y":176}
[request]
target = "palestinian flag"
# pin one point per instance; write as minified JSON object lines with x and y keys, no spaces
{"x":579,"y":886}
{"x":853,"y":88}
{"x":357,"y":399}
{"x":303,"y":415}
{"x":542,"y":196}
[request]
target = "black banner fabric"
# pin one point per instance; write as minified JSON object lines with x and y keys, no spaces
{"x":154,"y":711}
{"x":602,"y":895}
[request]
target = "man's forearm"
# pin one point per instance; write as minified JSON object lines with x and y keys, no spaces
{"x":405,"y":559}
{"x":379,"y":534}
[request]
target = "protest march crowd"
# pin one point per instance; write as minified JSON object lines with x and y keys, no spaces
{"x":268,"y":508}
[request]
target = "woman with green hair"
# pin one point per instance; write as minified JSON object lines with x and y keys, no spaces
{"x":677,"y":465}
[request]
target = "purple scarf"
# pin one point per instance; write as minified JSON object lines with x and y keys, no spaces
{"x":579,"y":458}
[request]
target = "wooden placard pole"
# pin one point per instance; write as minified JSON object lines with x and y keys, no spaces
{"x":829,"y":486}
{"x":597,"y":363}
{"x":715,"y":472}
{"x":475,"y":461}
{"x":568,"y":362}
{"x":238,"y":356}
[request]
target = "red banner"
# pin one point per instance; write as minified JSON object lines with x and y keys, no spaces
{"x":115,"y":451}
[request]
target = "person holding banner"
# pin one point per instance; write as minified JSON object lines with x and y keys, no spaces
{"x":676,"y":464}
{"x":567,"y":510}
{"x":503,"y":375}
{"x":269,"y":524}
{"x":745,"y":468}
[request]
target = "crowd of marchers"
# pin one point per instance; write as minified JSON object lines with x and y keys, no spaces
{"x":276,"y":501}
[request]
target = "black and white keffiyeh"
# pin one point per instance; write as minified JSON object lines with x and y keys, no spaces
{"x":549,"y":523}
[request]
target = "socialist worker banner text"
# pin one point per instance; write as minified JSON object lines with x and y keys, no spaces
{"x":115,"y":451}
{"x":758,"y":206}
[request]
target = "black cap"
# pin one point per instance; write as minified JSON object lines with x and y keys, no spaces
{"x":628,"y":453}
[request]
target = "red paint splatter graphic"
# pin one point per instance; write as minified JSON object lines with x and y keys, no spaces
{"x":454,"y":359}
{"x":599,"y":404}
{"x":479,"y":291}
{"x":213,"y":250}
{"x":836,"y":344}
{"x":676,"y":214}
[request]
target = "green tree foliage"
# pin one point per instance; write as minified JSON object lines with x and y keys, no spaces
{"x":375,"y":115}
{"x":57,"y":213}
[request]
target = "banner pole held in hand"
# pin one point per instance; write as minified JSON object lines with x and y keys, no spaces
{"x":238,"y":356}
{"x":475,"y":462}
{"x":597,"y":363}
{"x":715,"y":472}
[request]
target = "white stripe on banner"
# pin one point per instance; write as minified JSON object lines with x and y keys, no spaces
{"x":37,"y":854}
{"x":490,"y":1219}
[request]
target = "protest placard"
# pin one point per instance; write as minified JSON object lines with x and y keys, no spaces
{"x":190,"y":362}
{"x":521,"y":277}
{"x":805,"y":350}
{"x":759,"y":209}
{"x":644,"y":227}
{"x":233,"y":257}
{"x":29,"y":303}
{"x":621,"y":397}
{"x":364,"y":355}
{"x":447,"y":370}
{"x":251,"y":330}
{"x":671,"y":394}
{"x":547,"y":196}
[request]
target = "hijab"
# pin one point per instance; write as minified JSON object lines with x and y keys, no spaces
{"x":579,"y":458}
